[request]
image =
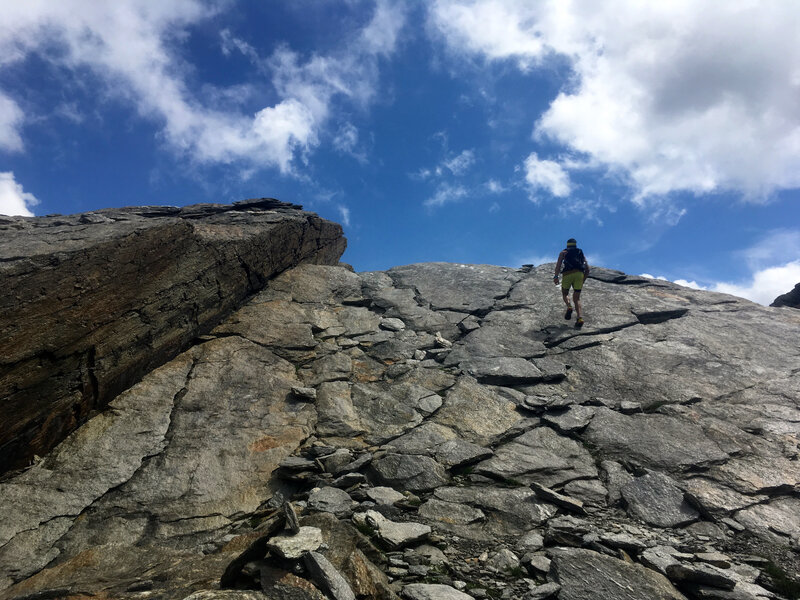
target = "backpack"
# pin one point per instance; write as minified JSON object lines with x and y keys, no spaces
{"x":573,"y":260}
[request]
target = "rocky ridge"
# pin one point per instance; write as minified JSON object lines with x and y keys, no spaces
{"x":436,"y":431}
{"x":94,"y":301}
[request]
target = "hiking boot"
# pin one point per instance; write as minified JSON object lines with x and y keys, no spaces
{"x":579,"y":322}
{"x":568,"y":314}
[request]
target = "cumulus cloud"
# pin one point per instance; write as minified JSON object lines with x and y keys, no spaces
{"x":672,"y":96}
{"x":446,"y":194}
{"x":773,"y":269}
{"x":13,"y":199}
{"x":765,"y":285}
{"x":546,"y":175}
{"x":130,"y":46}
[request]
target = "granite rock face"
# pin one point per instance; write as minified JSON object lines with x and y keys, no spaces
{"x":93,"y":302}
{"x":654,"y":455}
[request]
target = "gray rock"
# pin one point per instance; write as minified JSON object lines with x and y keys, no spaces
{"x":336,"y":461}
{"x":652,"y":440}
{"x":348,"y":479}
{"x":717,"y":499}
{"x":530,"y":541}
{"x":659,"y":558}
{"x":392,"y":324}
{"x":384,"y":495}
{"x":424,"y":439}
{"x":656,"y":500}
{"x":504,"y":560}
{"x":304,"y":393}
{"x":779,"y":519}
{"x":450,"y":512}
{"x":294,"y":545}
{"x":508,"y":510}
{"x":227,"y":595}
{"x":326,"y":577}
{"x":574,"y":418}
{"x":566,"y":531}
{"x":460,"y":453}
{"x":548,"y":495}
{"x":540,"y":456}
{"x":587,"y":575}
{"x":543,"y":592}
{"x":616,"y":477}
{"x":701,"y":574}
{"x":539,"y":564}
{"x":589,"y":491}
{"x":358,"y":464}
{"x":476,"y":413}
{"x":408,"y":472}
{"x":502,"y":371}
{"x":332,"y":500}
{"x":292,"y":522}
{"x":392,"y":533}
{"x":433,"y":591}
{"x":298,"y":463}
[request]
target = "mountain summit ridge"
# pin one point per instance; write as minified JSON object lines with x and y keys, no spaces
{"x":434,"y":431}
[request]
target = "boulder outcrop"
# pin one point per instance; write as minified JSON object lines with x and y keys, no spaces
{"x":92,"y":302}
{"x":348,"y":435}
{"x":791,"y":298}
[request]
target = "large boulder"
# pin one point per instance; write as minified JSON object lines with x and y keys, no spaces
{"x":791,"y":298}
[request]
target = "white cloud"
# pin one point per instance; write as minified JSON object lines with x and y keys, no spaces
{"x":345,"y":214}
{"x":13,"y":199}
{"x":11,"y":118}
{"x":458,"y":165}
{"x":547,"y":175}
{"x":774,"y":270}
{"x":681,"y":95}
{"x":130,"y":46}
{"x":683,"y":282}
{"x":766,"y":284}
{"x":446,"y":194}
{"x":495,"y":187}
{"x":535,"y":259}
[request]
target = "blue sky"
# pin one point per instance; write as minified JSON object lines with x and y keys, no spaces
{"x":665,"y":137}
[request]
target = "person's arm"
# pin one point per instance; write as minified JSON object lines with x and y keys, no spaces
{"x":585,"y":267}
{"x":558,"y":266}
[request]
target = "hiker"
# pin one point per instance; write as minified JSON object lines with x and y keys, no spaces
{"x":574,"y":269}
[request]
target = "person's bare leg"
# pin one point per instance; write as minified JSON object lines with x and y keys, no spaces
{"x":576,"y":296}
{"x":565,"y":296}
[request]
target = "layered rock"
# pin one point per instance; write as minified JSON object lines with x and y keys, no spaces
{"x":651,"y":454}
{"x":92,"y":302}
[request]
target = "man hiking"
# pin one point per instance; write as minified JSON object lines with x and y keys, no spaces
{"x":574,"y":269}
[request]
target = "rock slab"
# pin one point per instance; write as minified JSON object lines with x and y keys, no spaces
{"x":90,"y":305}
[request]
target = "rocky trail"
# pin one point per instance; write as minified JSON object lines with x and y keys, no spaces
{"x":434,"y":432}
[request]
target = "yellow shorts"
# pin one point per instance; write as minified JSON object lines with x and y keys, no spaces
{"x":572,"y":279}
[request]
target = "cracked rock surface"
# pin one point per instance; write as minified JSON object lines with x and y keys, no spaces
{"x":92,"y":302}
{"x":449,"y":435}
